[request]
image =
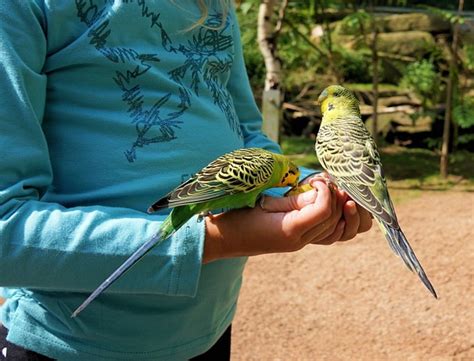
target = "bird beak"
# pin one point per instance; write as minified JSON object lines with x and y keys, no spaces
{"x":322,"y":97}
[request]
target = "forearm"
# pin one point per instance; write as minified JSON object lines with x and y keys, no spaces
{"x":75,"y":249}
{"x":232,"y":234}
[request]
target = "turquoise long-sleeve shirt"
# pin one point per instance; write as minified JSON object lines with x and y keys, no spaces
{"x":106,"y":106}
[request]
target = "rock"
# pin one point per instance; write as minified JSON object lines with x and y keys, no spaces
{"x":421,"y":122}
{"x":405,"y":43}
{"x":384,"y":123}
{"x":398,"y":100}
{"x":349,"y":42}
{"x":400,"y":122}
{"x":410,"y":43}
{"x":416,"y":21}
{"x":405,"y":22}
{"x":339,"y":27}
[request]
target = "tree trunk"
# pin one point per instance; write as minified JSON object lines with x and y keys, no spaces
{"x":267,"y":44}
{"x":449,"y":98}
{"x":271,"y":100}
{"x":375,"y":73}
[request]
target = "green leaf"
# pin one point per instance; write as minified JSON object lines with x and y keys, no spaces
{"x":463,"y":113}
{"x":245,"y":7}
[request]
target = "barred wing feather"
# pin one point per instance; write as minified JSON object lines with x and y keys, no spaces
{"x":243,"y":170}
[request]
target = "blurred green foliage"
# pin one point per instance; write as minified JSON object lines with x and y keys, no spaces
{"x":357,"y":22}
{"x":463,"y":112}
{"x":354,"y":65}
{"x":468,"y":56}
{"x":422,"y":78}
{"x":247,"y":15}
{"x":297,"y":52}
{"x":312,"y":62}
{"x":448,"y":15}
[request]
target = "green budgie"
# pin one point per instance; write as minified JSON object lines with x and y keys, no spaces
{"x":234,"y":180}
{"x":348,"y":153}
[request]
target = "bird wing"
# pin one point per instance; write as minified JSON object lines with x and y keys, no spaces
{"x":347,"y":152}
{"x":243,"y":170}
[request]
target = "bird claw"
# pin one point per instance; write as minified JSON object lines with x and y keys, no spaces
{"x":203,"y":215}
{"x":322,"y":177}
{"x":326,"y":178}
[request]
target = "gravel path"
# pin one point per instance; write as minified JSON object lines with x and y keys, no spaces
{"x":357,"y":301}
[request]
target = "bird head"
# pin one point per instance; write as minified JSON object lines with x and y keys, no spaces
{"x":291,"y":175}
{"x":337,"y":101}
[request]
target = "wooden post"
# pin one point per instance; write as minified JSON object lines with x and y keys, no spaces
{"x":271,"y":109}
{"x":267,"y":39}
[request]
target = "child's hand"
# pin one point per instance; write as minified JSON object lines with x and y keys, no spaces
{"x":319,"y":216}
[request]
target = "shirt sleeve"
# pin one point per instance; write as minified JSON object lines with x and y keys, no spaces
{"x":46,"y":245}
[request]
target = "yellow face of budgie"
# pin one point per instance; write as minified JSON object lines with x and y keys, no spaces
{"x":337,"y":101}
{"x":290,"y":176}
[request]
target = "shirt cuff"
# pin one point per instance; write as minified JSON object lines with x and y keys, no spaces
{"x":189,"y":245}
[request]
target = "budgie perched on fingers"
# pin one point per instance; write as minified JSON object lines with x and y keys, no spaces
{"x":348,"y":153}
{"x":234,"y":180}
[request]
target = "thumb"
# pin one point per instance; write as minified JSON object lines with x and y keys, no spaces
{"x":287,"y":204}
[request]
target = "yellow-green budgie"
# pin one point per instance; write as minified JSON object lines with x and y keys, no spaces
{"x":234,"y":180}
{"x":348,"y":153}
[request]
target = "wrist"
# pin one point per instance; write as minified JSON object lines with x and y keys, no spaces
{"x":225,"y":237}
{"x":213,"y":241}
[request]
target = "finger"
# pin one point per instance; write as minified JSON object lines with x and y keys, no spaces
{"x":344,"y":195}
{"x":326,"y":228}
{"x":335,"y":199}
{"x":365,"y":219}
{"x":320,"y":177}
{"x":341,"y":200}
{"x":287,"y":204}
{"x":321,"y":232}
{"x":351,"y":216}
{"x":333,"y":237}
{"x":314,"y":213}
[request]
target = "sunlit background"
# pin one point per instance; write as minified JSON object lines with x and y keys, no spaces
{"x":412,"y":62}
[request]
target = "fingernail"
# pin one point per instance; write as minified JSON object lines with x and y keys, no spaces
{"x":352,"y":208}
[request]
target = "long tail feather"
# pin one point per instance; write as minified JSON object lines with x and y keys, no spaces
{"x":402,"y":248}
{"x":132,"y":260}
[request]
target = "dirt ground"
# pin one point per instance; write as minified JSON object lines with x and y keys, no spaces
{"x":357,"y":301}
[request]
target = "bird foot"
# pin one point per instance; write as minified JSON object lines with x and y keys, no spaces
{"x":298,"y":190}
{"x":326,"y":178}
{"x":202,"y":215}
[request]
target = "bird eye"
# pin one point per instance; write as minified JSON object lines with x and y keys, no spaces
{"x":336,"y":94}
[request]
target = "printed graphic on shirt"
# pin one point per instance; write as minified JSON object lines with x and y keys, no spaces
{"x":206,"y":62}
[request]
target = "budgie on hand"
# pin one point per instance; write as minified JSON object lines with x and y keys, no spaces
{"x":234,"y":180}
{"x":348,"y":153}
